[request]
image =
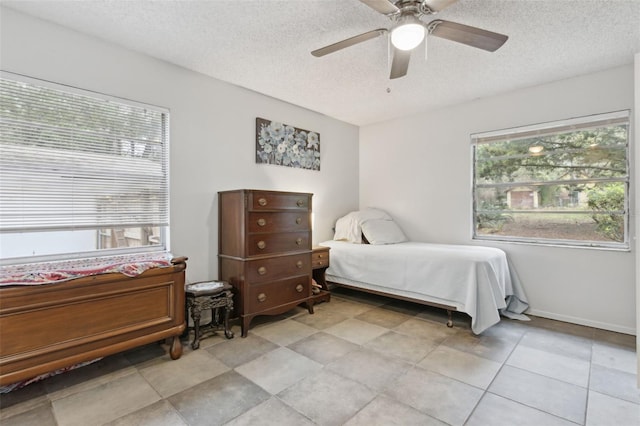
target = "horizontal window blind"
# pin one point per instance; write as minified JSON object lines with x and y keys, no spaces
{"x":71,"y":159}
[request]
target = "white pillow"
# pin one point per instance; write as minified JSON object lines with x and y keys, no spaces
{"x":371,"y":213}
{"x":348,"y":228}
{"x":383,"y":232}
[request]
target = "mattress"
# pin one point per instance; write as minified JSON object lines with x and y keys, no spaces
{"x":475,"y":280}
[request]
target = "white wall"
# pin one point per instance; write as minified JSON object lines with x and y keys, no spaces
{"x":212,"y":130}
{"x":419,"y":169}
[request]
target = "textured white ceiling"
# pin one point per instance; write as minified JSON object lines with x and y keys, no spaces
{"x":265,"y":45}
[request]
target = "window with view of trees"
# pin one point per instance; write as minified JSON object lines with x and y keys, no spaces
{"x":564,"y":182}
{"x":81,"y":173}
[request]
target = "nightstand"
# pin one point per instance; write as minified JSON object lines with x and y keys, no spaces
{"x":319,"y":264}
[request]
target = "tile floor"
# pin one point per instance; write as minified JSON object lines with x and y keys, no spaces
{"x":359,"y":360}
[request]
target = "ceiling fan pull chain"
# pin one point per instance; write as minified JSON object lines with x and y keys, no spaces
{"x":389,"y":54}
{"x":426,"y":50}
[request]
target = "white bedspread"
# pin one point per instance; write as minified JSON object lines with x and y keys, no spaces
{"x":475,"y":280}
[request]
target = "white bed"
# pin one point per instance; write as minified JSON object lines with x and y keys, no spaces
{"x":475,"y":280}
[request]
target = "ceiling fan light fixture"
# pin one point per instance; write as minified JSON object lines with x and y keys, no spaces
{"x":408,"y":33}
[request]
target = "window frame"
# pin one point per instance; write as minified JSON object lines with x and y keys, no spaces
{"x":163,"y":144}
{"x":548,"y":128}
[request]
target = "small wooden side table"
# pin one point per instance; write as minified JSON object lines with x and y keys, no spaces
{"x":319,"y":265}
{"x":212,"y":295}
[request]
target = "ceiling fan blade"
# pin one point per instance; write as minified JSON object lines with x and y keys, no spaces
{"x":471,"y":36}
{"x":438,"y":5}
{"x":383,"y":6}
{"x":348,"y":42}
{"x":400,"y":63}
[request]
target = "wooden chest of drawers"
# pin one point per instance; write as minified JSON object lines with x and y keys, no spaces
{"x":265,"y":251}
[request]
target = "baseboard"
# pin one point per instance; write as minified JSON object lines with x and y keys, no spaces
{"x":581,"y":321}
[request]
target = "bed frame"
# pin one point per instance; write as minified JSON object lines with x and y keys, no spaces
{"x":449,"y":309}
{"x":44,"y":328}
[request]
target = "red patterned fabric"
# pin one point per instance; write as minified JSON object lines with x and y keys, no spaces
{"x":130,"y":265}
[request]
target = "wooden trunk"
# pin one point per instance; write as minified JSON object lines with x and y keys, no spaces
{"x":47,"y":327}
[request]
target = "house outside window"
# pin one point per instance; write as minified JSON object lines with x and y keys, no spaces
{"x":82,"y":174}
{"x":560,"y":183}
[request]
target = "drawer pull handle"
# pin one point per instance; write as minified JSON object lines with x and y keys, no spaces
{"x":299,"y":288}
{"x":261,"y":244}
{"x":262,"y":222}
{"x":262,"y":201}
{"x":262,"y":297}
{"x":300,"y":203}
{"x":320,"y":256}
{"x":262,"y":270}
{"x":299,"y":241}
{"x":299,"y":264}
{"x":298,"y":220}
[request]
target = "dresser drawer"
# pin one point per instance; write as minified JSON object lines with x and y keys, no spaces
{"x":279,"y":222}
{"x":264,"y":200}
{"x":278,"y":243}
{"x":320,"y":259}
{"x":276,"y":268}
{"x":261,"y":297}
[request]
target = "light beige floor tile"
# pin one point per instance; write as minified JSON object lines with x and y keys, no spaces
{"x":559,"y":343}
{"x":356,"y":331}
{"x":40,"y":415}
{"x":347,"y":308}
{"x":389,"y":412}
{"x":90,"y":376}
{"x":408,"y":348}
{"x":327,"y":398}
{"x":278,"y":369}
{"x":490,"y":346}
{"x":240,"y":350}
{"x":615,"y":383}
{"x":218,"y":400}
{"x":23,"y":399}
{"x":383,"y":317}
{"x":106,"y":402}
{"x":272,"y":412}
{"x":445,"y":399}
{"x":427,"y":329}
{"x":494,"y":410}
{"x":568,"y":369}
{"x":615,"y":356}
{"x":321,"y":319}
{"x":174,"y":376}
{"x":462,"y":366}
{"x":604,"y":410}
{"x":161,"y":413}
{"x":546,"y":394}
{"x":322,"y":347}
{"x":284,"y":333}
{"x":369,"y":368}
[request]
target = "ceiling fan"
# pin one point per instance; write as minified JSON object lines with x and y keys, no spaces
{"x":408,"y":31}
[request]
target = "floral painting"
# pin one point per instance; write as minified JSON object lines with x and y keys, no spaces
{"x":285,"y":145}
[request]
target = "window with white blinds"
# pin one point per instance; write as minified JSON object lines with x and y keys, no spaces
{"x":82,"y":166}
{"x":561,"y":183}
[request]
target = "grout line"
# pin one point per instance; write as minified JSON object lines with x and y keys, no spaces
{"x":485,"y":391}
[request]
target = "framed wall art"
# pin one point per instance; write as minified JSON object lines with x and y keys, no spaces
{"x":285,"y":145}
